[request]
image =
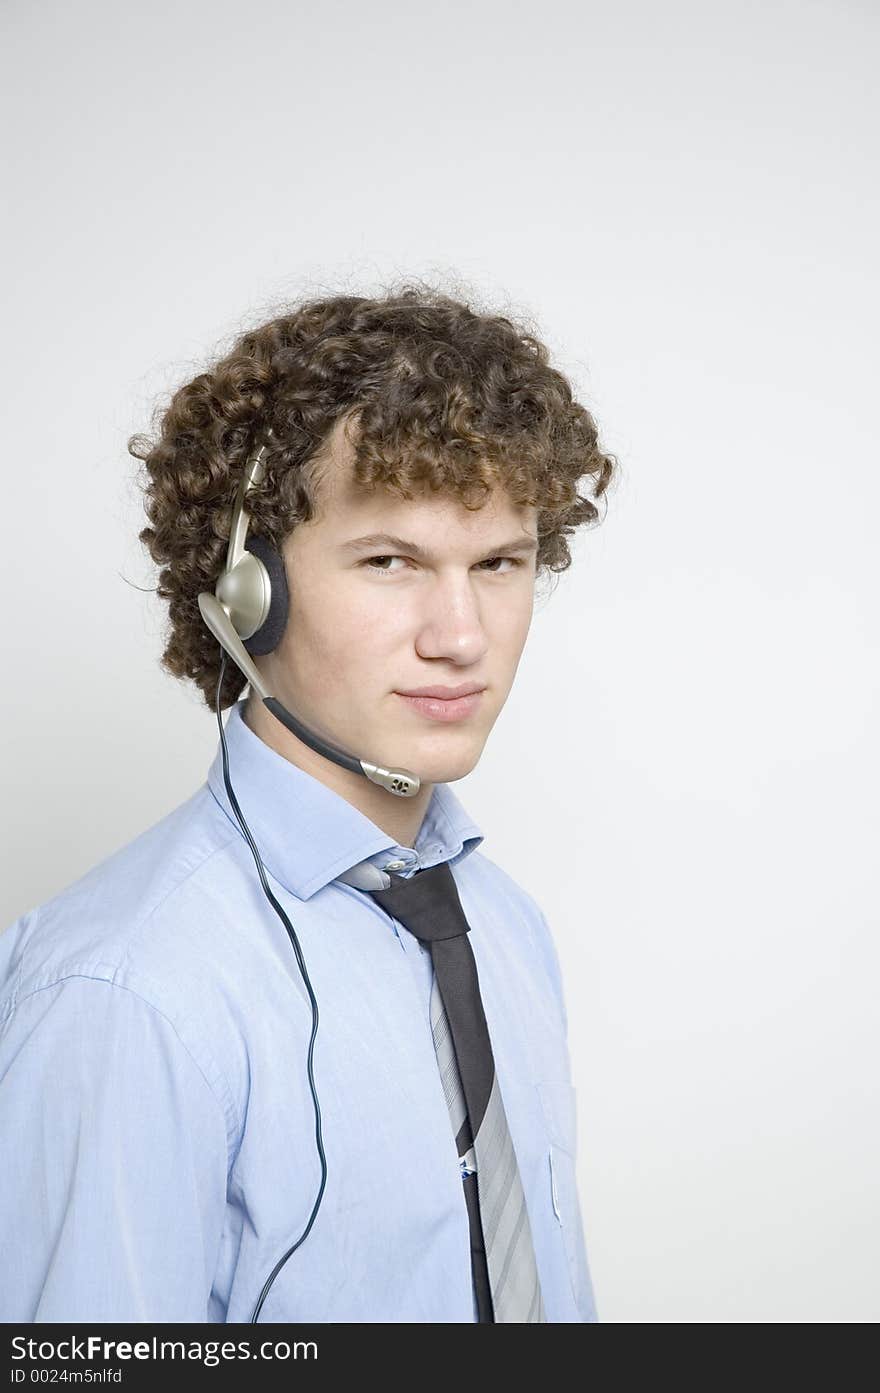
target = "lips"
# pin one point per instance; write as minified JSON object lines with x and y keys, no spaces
{"x":444,"y":693}
{"x":440,"y":709}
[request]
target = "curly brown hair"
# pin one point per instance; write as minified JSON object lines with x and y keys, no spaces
{"x":448,"y":399}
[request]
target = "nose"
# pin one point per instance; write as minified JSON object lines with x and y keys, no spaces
{"x":452,"y":623}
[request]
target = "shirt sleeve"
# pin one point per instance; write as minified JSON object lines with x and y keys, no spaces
{"x":113,"y":1161}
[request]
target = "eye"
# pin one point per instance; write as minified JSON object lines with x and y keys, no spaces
{"x":514,"y":561}
{"x":370,"y":562}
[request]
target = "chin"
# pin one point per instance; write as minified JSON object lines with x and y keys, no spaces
{"x":443,"y":768}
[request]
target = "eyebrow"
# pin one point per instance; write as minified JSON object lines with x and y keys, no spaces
{"x":400,"y":544}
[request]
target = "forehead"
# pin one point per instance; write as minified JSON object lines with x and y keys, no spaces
{"x":344,"y":504}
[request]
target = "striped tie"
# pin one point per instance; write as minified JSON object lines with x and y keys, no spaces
{"x":502,"y":1256}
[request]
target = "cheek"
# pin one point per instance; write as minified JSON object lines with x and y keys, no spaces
{"x":368,"y":620}
{"x":324,"y":639}
{"x":511,"y":627}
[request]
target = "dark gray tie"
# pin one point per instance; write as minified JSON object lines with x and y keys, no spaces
{"x":502,"y":1256}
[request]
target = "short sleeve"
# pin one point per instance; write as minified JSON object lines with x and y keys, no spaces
{"x":113,"y":1161}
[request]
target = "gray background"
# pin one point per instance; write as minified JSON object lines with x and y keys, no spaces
{"x":684,"y":197}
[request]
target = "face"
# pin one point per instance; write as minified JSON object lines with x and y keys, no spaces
{"x":369,"y":621}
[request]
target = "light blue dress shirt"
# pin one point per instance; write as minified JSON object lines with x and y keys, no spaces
{"x":157,"y":1129}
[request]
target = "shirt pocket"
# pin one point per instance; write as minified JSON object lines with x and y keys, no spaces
{"x":558,"y":1102}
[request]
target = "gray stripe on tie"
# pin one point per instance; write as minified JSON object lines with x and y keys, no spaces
{"x":510,"y":1258}
{"x":509,"y":1250}
{"x":446,"y":1061}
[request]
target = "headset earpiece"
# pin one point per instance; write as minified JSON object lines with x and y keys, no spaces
{"x":268,"y":636}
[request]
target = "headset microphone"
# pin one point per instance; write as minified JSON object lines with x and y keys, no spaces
{"x":250,"y":606}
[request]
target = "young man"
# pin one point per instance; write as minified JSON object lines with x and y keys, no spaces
{"x":159,"y":1144}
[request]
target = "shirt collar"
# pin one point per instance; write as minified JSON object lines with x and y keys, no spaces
{"x":308,"y":835}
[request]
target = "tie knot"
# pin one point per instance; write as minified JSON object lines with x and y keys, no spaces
{"x":427,"y":904}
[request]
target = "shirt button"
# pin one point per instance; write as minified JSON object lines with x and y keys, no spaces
{"x":394,"y":865}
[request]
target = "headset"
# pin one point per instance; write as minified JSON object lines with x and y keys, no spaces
{"x":247,"y":614}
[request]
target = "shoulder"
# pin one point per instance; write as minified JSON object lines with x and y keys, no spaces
{"x":135,"y":923}
{"x":481,"y":877}
{"x":122,"y":950}
{"x":492,"y":889}
{"x":480,"y":869}
{"x":96,"y":926}
{"x":517,"y":909}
